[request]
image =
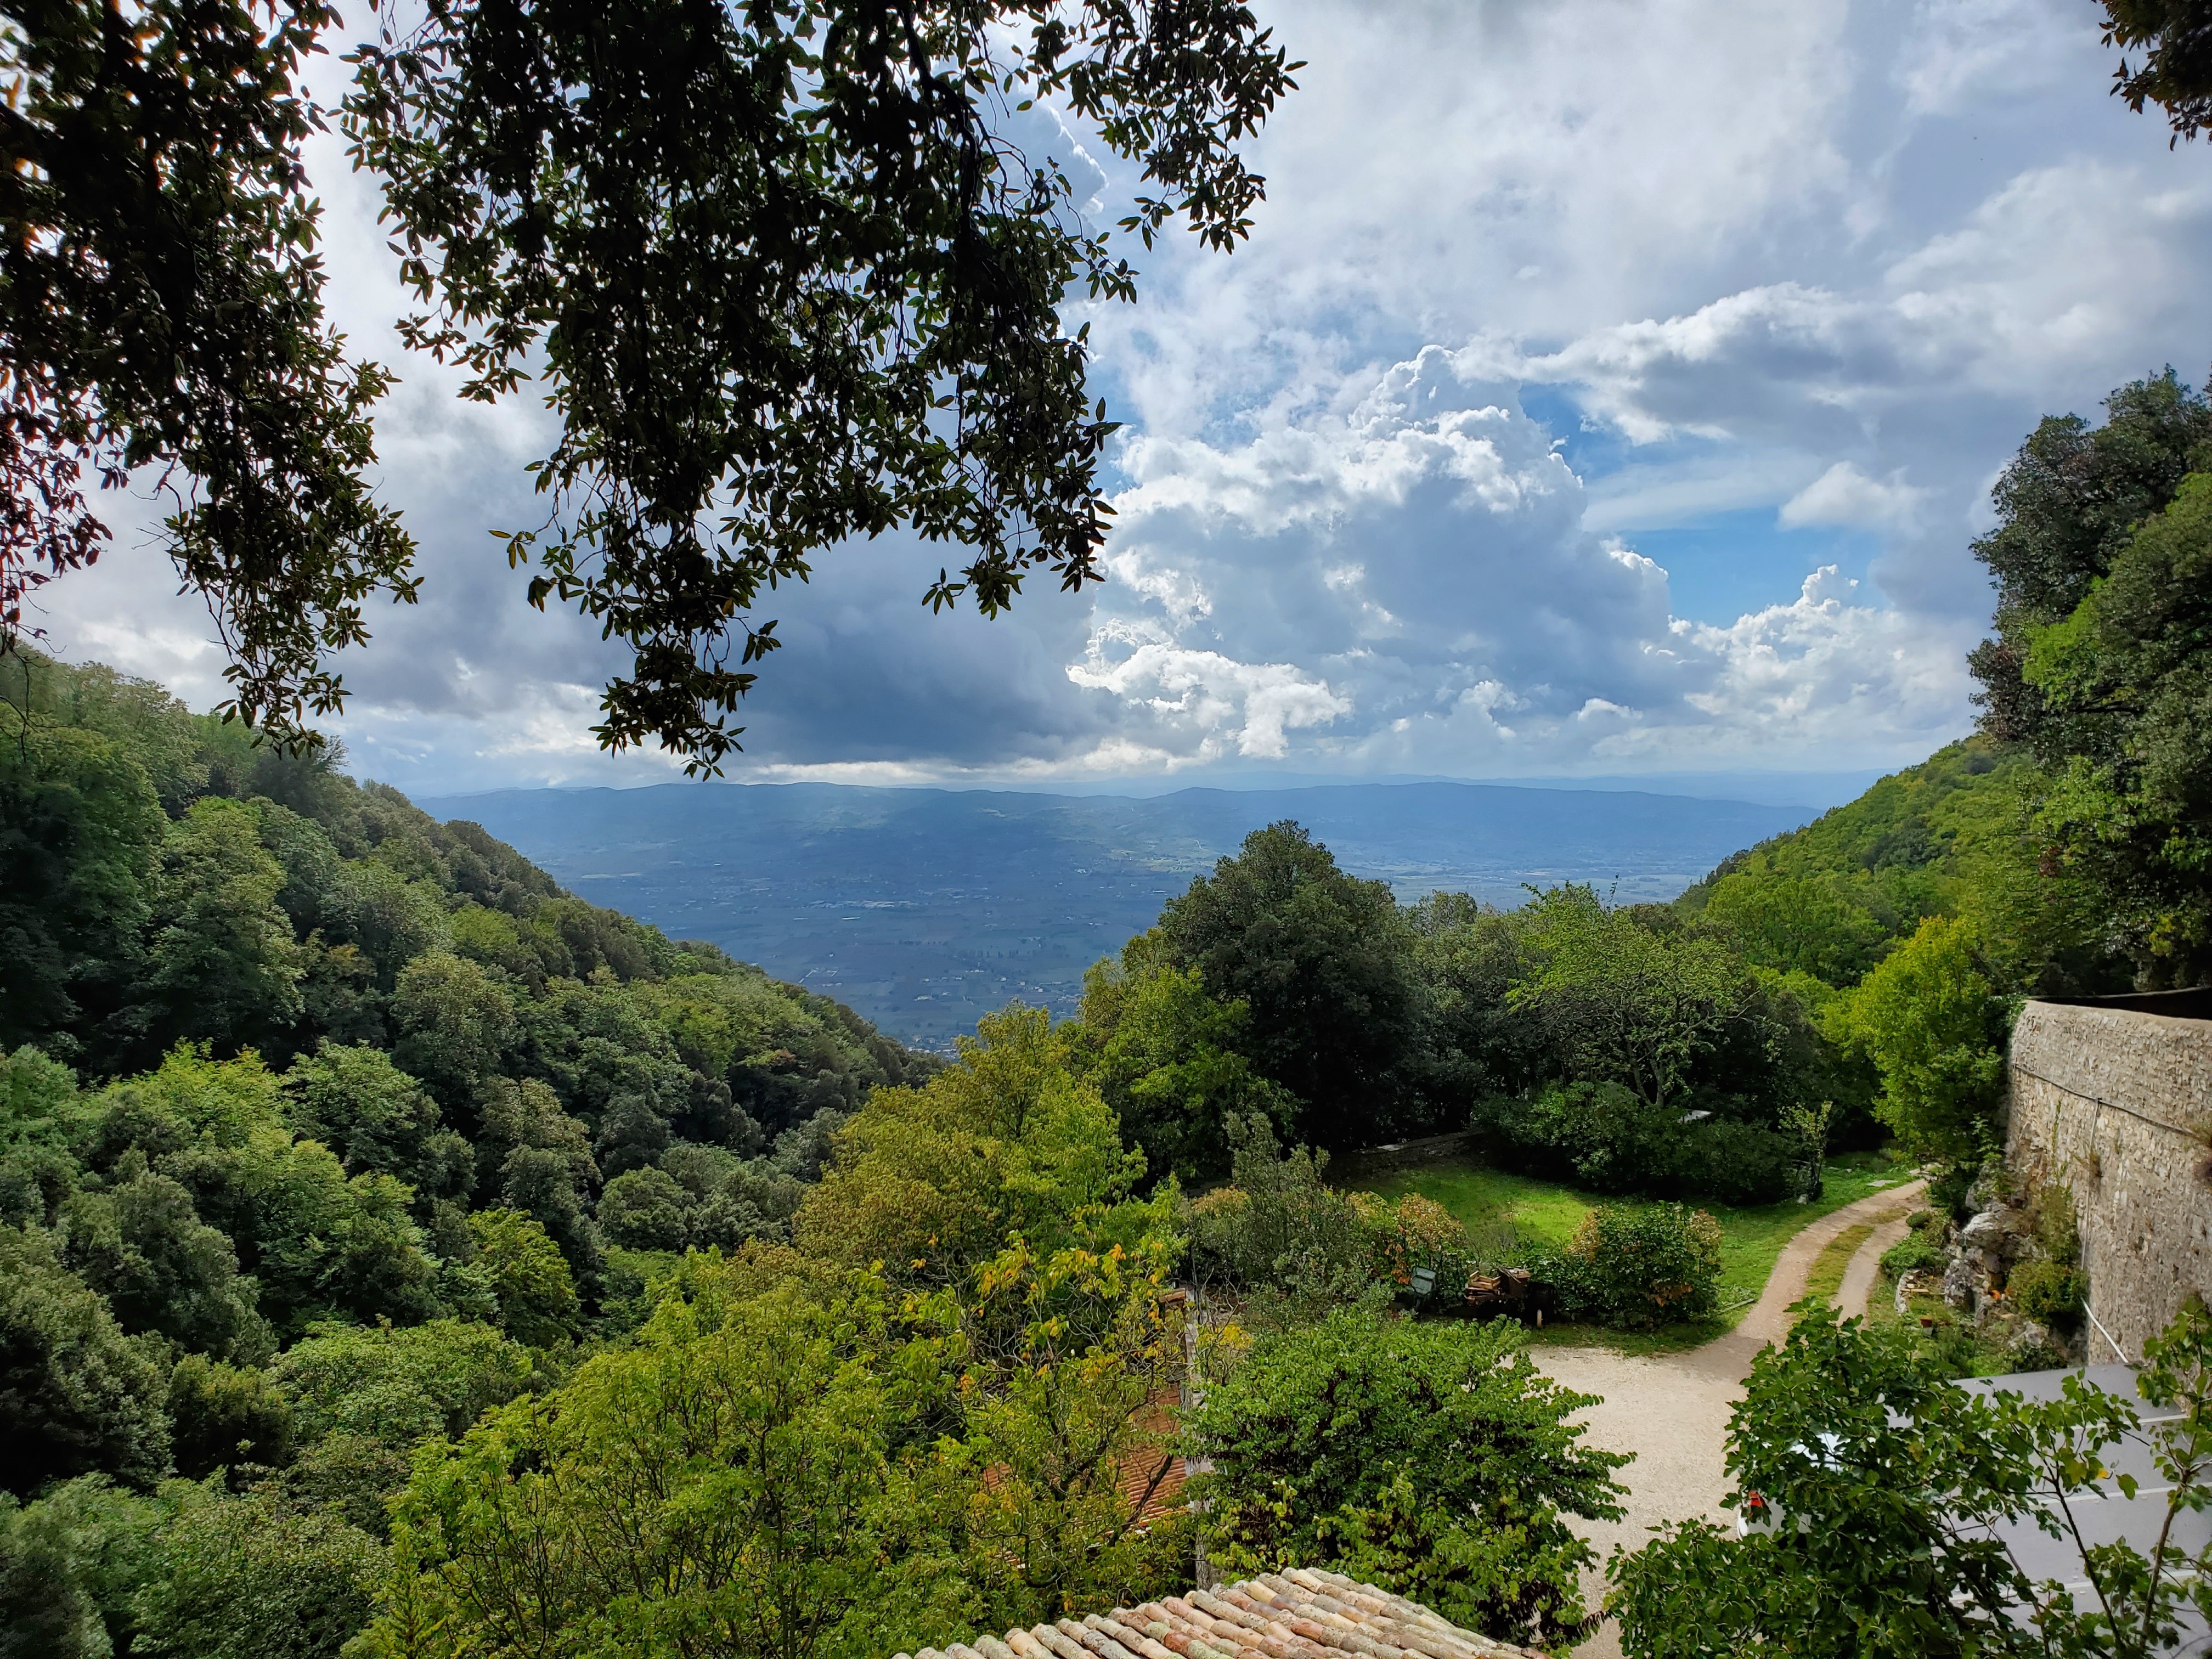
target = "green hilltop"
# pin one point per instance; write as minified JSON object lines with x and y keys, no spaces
{"x":1953,"y":837}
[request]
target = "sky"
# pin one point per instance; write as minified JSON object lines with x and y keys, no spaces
{"x":1609,"y":387}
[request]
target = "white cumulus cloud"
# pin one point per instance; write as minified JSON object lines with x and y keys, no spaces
{"x":1403,"y":579}
{"x":1844,"y":495}
{"x":1607,"y":385}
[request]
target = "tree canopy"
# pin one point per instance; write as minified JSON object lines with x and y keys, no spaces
{"x":1323,"y":963}
{"x":2126,"y":685}
{"x":2067,"y":504}
{"x":1895,"y":1489}
{"x":1435,"y":1459}
{"x":2101,"y":655}
{"x":161,"y":306}
{"x":789,"y":273}
{"x":2174,"y":70}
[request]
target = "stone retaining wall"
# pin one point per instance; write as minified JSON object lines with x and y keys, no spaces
{"x":2116,"y":1104}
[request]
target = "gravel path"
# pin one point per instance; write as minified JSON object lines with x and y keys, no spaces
{"x":1864,"y":1274}
{"x":1672,"y":1410}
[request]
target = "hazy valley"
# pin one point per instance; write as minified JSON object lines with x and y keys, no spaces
{"x":923,"y":909}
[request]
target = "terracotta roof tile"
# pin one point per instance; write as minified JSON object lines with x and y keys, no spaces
{"x":1301,"y":1614}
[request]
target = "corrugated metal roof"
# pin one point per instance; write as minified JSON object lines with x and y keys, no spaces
{"x":1300,"y":1613}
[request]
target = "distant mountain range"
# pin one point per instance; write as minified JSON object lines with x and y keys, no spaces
{"x":924,"y":908}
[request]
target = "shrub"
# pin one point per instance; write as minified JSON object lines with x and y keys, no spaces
{"x":1947,"y":1189}
{"x":1433,"y":1460}
{"x":1598,"y":1135}
{"x":1214,"y":1223}
{"x":2045,"y":1290}
{"x":2051,"y":1212}
{"x":1735,"y":1162}
{"x":1915,"y":1253}
{"x":2031,"y":1351}
{"x":1603,"y":1137}
{"x":1280,"y":1227}
{"x":1567,"y":1275}
{"x":1637,"y":1268}
{"x":1950,"y":1347}
{"x":1413,"y":1232}
{"x":1429,"y":1230}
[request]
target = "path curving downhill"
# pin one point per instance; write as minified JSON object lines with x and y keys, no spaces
{"x":1672,"y":1410}
{"x":1861,"y":1277}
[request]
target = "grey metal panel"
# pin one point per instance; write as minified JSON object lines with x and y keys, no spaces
{"x":2102,"y":1516}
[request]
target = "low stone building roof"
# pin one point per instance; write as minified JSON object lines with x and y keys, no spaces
{"x":1299,"y":1613}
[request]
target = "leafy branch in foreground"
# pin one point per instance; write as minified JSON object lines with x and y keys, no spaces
{"x":1898,"y":1496}
{"x":161,"y":308}
{"x":792,"y":272}
{"x":790,"y":275}
{"x":2175,"y":72}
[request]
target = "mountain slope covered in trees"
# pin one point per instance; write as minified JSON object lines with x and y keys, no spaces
{"x":300,"y":1005}
{"x":1954,"y":836}
{"x":323,"y":1127}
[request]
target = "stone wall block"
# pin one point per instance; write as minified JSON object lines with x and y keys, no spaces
{"x":1985,"y":1231}
{"x":2117,"y":1105}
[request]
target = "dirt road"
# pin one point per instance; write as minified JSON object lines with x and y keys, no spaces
{"x":1672,"y":1410}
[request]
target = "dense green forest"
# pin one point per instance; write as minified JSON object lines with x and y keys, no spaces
{"x":330,"y":1130}
{"x":422,"y":1259}
{"x":327,"y":1131}
{"x":400,"y":1258}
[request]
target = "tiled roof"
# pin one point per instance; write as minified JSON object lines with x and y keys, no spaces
{"x":1297,"y":1614}
{"x":1152,"y":1477}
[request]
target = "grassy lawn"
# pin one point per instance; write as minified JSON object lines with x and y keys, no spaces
{"x":1827,"y":1277}
{"x":1492,"y":1203}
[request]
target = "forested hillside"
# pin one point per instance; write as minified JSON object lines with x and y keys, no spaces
{"x":285,"y":1064}
{"x":386,"y":1229}
{"x":2062,"y":849}
{"x":174,"y":881}
{"x":1954,"y":836}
